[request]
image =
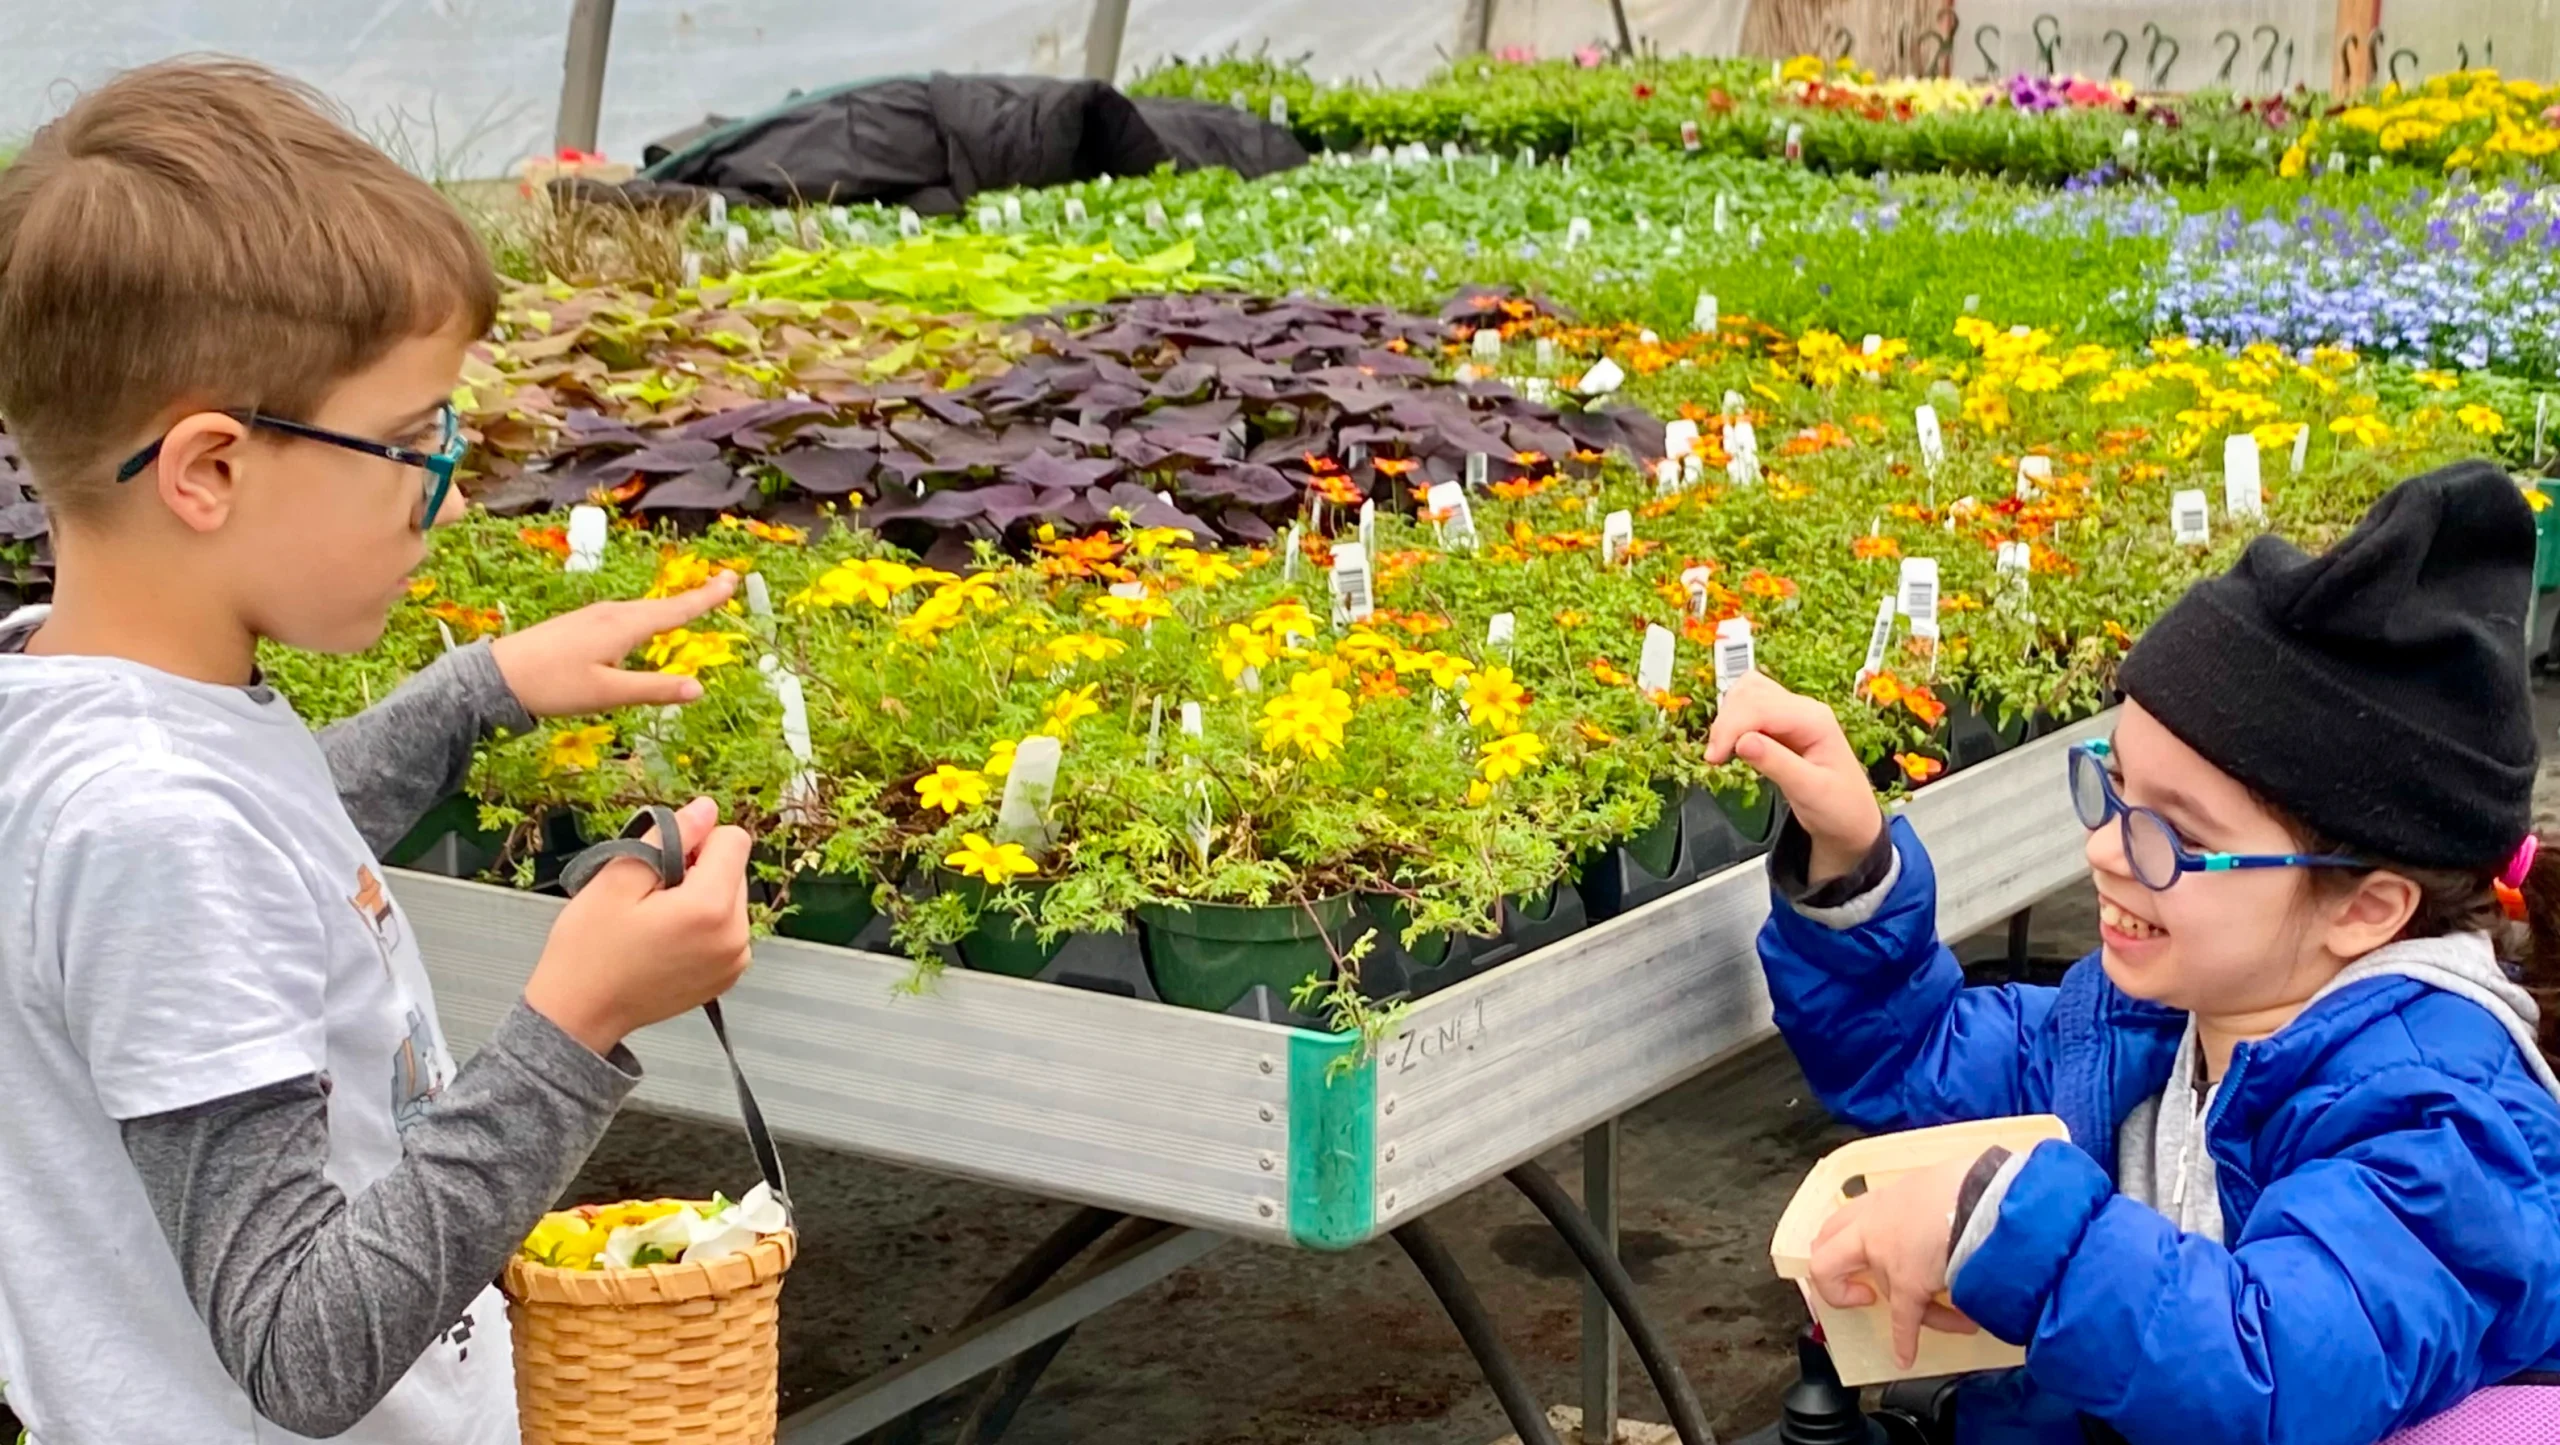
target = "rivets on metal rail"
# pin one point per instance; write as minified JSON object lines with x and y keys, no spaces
{"x":1268,"y":1066}
{"x":1388,"y":1203}
{"x":1264,"y":1209}
{"x":1265,"y":1112}
{"x":1390,"y":1106}
{"x":1267,"y":1163}
{"x":1390,"y":1155}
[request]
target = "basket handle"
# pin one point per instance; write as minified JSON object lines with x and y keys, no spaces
{"x":667,"y":857}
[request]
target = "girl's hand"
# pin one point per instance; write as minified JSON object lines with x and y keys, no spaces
{"x":572,"y":664}
{"x":1896,"y":1240}
{"x":1797,"y":744}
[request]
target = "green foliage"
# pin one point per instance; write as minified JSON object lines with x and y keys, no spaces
{"x":993,"y":275}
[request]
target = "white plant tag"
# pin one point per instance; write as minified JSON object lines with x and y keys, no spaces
{"x":1477,"y":467}
{"x":446,"y":633}
{"x":2189,"y":525}
{"x":1615,"y":535}
{"x":1703,"y":316}
{"x":1732,"y":404}
{"x":586,"y":539}
{"x":692,"y":270}
{"x":1695,"y":581}
{"x":1679,"y":438}
{"x":1155,"y":733}
{"x":737,"y":239}
{"x":1488,"y":344}
{"x":2302,"y":448}
{"x":1603,"y":377}
{"x":2035,"y":473}
{"x":1871,"y":345}
{"x":1279,"y":110}
{"x":1649,"y":337}
{"x":1499,"y":632}
{"x":1919,"y":595}
{"x":2541,"y":424}
{"x":1074,"y":211}
{"x":795,"y":714}
{"x":990,"y":220}
{"x":1879,"y":638}
{"x":2243,"y":495}
{"x":1289,"y":554}
{"x":1653,"y":665}
{"x":1546,"y":353}
{"x":2013,"y":559}
{"x":716,"y":212}
{"x":1368,"y":526}
{"x":910,"y":225}
{"x":1012,"y":212}
{"x":1795,"y":142}
{"x":1458,"y":518}
{"x":1668,"y":476}
{"x":1933,"y":446}
{"x":1733,"y":651}
{"x":759,"y":597}
{"x":1576,"y":231}
{"x":1352,"y":598}
{"x":1154,"y":216}
{"x":1720,"y":210}
{"x":1191,"y":719}
{"x":1029,"y":788}
{"x":1689,"y":137}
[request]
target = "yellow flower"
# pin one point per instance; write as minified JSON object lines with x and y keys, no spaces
{"x":421,"y":588}
{"x":1129,"y":611}
{"x":1479,"y":793}
{"x":1495,"y":700}
{"x":1074,"y":703}
{"x":2291,"y":164}
{"x":2362,"y":430}
{"x":2436,"y":380}
{"x":952,"y":789}
{"x":680,"y":572}
{"x":864,"y":579}
{"x":2480,"y":420}
{"x":1310,"y":716}
{"x":2171,"y":347}
{"x":618,"y":1216}
{"x":1244,"y":648}
{"x":764,"y":531}
{"x":566,"y":1239}
{"x":2536,"y":498}
{"x":687,"y":653}
{"x":1082,"y":647}
{"x":999,"y":758}
{"x":1147,"y":541}
{"x":2276,"y":435}
{"x":941,"y":611}
{"x":996,"y":863}
{"x":1202,"y":569}
{"x":2039,"y":377}
{"x":1509,"y":757}
{"x":1286,"y":616}
{"x":576,"y":749}
{"x":1447,"y":669}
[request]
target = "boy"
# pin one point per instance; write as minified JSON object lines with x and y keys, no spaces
{"x":228,"y":332}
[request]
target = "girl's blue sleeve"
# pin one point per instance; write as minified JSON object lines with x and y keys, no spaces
{"x":2407,"y":1259}
{"x":1881,"y":1021}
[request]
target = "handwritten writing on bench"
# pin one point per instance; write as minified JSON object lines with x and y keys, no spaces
{"x":1415,"y":1047}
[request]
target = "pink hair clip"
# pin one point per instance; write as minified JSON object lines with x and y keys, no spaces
{"x":2509,"y":886}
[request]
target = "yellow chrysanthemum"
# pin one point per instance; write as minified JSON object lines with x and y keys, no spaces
{"x":1509,"y":757}
{"x":1495,"y":700}
{"x":1244,"y":648}
{"x":952,"y":789}
{"x":1074,"y":703}
{"x":995,"y":863}
{"x":1310,"y":716}
{"x":576,"y":750}
{"x":2480,"y":420}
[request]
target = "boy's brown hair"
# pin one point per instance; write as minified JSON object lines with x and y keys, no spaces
{"x":204,"y":235}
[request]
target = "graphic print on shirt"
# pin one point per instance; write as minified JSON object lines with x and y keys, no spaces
{"x":417,"y":1064}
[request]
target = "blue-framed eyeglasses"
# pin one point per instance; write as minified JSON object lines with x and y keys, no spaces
{"x":438,"y":464}
{"x":2151,"y":846}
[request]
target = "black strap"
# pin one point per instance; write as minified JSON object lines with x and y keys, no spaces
{"x":667,"y":857}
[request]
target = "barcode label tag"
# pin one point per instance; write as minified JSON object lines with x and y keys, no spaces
{"x":1703,"y":316}
{"x":586,"y":539}
{"x":2242,"y":493}
{"x":2035,"y":473}
{"x":1653,"y":666}
{"x":1498,"y":632}
{"x":1615,"y":535}
{"x":1696,"y":581}
{"x":1668,"y":476}
{"x":1488,"y":343}
{"x":1448,"y":501}
{"x":2189,"y":526}
{"x":1352,"y":600}
{"x":1477,"y":468}
{"x":910,"y":225}
{"x":2302,"y":445}
{"x":1919,"y":595}
{"x":1879,"y":638}
{"x":1074,"y":211}
{"x":1603,"y":377}
{"x":1933,"y":446}
{"x":1279,"y":110}
{"x":1733,"y":651}
{"x":1679,"y":439}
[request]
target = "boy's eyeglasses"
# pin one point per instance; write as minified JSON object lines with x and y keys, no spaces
{"x":2151,"y":846}
{"x":437,"y":464}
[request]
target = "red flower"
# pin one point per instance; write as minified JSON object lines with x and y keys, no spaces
{"x":1643,"y":91}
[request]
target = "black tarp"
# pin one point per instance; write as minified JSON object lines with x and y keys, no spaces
{"x":932,"y":142}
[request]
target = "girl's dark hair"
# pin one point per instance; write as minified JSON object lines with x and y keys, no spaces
{"x":2465,"y":900}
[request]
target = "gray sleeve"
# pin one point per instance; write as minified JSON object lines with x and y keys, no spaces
{"x":1976,"y":1222}
{"x":318,"y":1304}
{"x":401,"y":756}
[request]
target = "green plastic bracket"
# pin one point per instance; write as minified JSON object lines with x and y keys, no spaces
{"x":1333,"y":1141}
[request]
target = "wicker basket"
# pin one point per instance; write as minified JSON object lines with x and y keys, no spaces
{"x":661,"y":1354}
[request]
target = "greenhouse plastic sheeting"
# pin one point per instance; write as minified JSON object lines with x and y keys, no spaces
{"x":465,"y":88}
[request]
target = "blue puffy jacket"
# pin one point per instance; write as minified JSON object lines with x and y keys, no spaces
{"x":2386,"y":1164}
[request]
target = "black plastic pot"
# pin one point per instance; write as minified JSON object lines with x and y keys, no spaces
{"x":1111,"y":963}
{"x":448,"y":842}
{"x":1699,"y":833}
{"x":1431,"y":963}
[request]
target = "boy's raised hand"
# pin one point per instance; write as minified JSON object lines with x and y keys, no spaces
{"x":1894,"y":1242}
{"x":626,"y":952}
{"x":572,"y":664}
{"x":1796,"y":743}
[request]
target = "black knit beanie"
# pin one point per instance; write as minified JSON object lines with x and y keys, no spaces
{"x":2377,"y":692}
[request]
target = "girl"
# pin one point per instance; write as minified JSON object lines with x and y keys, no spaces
{"x":2308,"y":1196}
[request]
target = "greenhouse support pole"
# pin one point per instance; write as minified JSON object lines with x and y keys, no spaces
{"x":582,"y":78}
{"x":1475,"y":27}
{"x":1102,"y":38}
{"x":1626,"y":36}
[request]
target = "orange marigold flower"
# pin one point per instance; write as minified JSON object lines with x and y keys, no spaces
{"x":1532,"y":460}
{"x":1667,"y":700}
{"x":1869,"y":549}
{"x":1601,"y":669}
{"x":1383,"y":684}
{"x":1320,"y":464}
{"x":554,"y":540}
{"x":1336,"y":488}
{"x":1394,"y":466}
{"x":2115,"y":630}
{"x":1924,"y":705}
{"x":1759,"y":583}
{"x":1594,"y":734}
{"x":1570,"y":619}
{"x":1883,"y":689}
{"x":616,"y":496}
{"x":1519,"y":489}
